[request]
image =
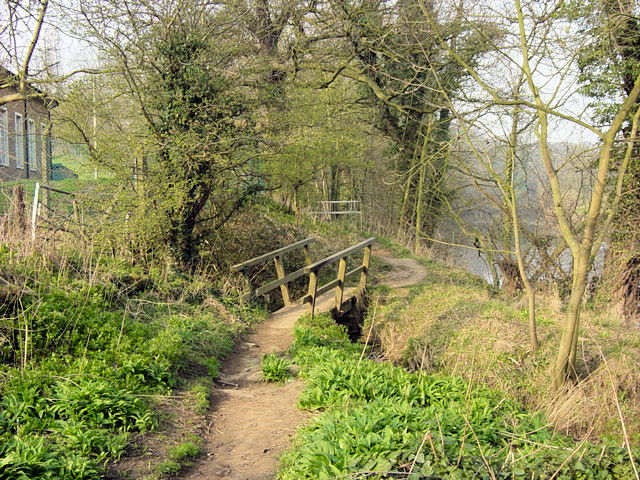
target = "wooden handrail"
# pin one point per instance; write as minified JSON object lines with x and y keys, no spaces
{"x":311,"y":270}
{"x":337,"y":256}
{"x":268,"y":256}
{"x":281,"y":281}
{"x":283,"y":278}
{"x":333,"y":284}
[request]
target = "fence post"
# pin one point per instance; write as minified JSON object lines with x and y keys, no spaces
{"x":313,"y":289}
{"x":342,"y":270}
{"x":283,"y":288}
{"x":247,"y":281}
{"x":366,"y":259}
{"x":34,"y":210}
{"x":307,"y":255}
{"x":76,"y":211}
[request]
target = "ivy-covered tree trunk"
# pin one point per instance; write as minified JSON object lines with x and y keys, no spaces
{"x":194,"y":120}
{"x":609,"y":66}
{"x":626,"y":239}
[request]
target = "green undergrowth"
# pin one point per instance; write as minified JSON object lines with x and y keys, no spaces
{"x":82,"y":362}
{"x":381,"y":421}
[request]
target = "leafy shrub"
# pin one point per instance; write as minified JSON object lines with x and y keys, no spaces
{"x":23,"y":458}
{"x":98,"y":403}
{"x":213,"y":367}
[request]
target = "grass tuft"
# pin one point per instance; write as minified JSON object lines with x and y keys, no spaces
{"x":274,"y":368}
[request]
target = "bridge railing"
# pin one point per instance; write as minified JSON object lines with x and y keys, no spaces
{"x":311,"y":270}
{"x":283,"y":279}
{"x":339,"y":283}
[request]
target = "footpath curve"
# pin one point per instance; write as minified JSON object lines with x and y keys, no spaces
{"x":251,"y":421}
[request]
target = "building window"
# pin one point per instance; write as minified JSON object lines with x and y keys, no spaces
{"x":19,"y":141}
{"x":31,"y":139}
{"x":4,"y":137}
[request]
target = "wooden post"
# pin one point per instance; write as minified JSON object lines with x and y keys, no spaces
{"x":313,"y":289}
{"x":283,"y":288}
{"x":247,"y":281}
{"x":76,"y":211}
{"x":307,"y":255}
{"x":342,"y":269}
{"x":365,"y":263}
{"x":19,"y":220}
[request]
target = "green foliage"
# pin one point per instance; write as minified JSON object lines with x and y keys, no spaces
{"x":608,"y":60}
{"x":29,"y":458}
{"x":381,"y":419}
{"x":275,"y":369}
{"x":75,"y":386}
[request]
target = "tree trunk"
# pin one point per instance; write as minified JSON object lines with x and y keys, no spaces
{"x":528,"y":286}
{"x":420,"y":192}
{"x":565,"y":361}
{"x":512,"y":202}
{"x":419,"y":220}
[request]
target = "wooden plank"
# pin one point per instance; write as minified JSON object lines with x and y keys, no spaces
{"x":34,"y":210}
{"x":283,"y":288}
{"x":337,"y":256}
{"x":281,"y":281}
{"x":342,"y":269}
{"x":332,"y":284}
{"x":268,"y":256}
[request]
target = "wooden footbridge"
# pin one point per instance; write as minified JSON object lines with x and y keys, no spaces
{"x":343,"y":299}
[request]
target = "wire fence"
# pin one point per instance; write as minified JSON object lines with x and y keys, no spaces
{"x":27,"y":208}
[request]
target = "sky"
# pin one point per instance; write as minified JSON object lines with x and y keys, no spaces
{"x":62,"y":44}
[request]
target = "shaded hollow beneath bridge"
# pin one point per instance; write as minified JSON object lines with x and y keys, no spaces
{"x":319,"y":297}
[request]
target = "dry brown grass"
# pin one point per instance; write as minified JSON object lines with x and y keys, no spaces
{"x":455,"y":324}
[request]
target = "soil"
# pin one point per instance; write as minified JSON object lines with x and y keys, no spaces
{"x":251,"y":421}
{"x":404,"y":271}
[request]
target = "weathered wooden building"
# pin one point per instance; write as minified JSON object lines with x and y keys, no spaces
{"x":25,"y":132}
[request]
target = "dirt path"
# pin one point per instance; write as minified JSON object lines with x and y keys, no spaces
{"x":252,"y":421}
